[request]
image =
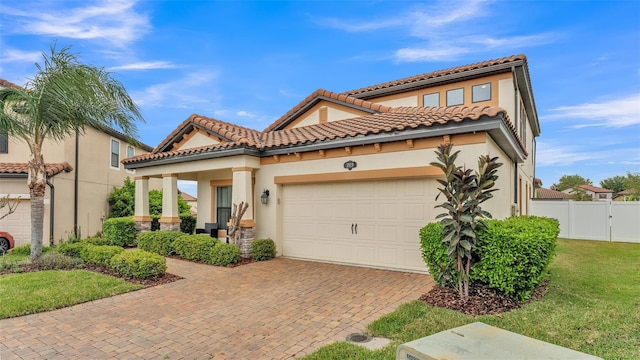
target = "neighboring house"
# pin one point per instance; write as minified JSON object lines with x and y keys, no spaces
{"x":346,"y":177}
{"x":78,"y":185}
{"x":192,"y":201}
{"x":549,"y":194}
{"x":596,"y":193}
{"x":627,"y":195}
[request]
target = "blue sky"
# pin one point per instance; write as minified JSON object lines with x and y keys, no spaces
{"x":250,"y":62}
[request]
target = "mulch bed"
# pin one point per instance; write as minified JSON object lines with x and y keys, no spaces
{"x":481,"y":301}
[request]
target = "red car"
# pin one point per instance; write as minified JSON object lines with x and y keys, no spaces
{"x":6,"y":242}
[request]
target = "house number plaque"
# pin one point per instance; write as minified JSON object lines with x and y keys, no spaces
{"x":350,"y":164}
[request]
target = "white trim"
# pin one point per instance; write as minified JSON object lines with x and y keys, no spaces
{"x":111,"y":153}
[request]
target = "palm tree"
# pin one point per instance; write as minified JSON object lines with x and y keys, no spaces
{"x":62,"y":99}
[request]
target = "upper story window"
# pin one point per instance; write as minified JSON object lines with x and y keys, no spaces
{"x":4,"y":143}
{"x":130,"y":153}
{"x":431,"y":100}
{"x":115,"y":154}
{"x":481,"y":92}
{"x":455,"y":97}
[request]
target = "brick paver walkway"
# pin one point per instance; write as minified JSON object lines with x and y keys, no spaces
{"x":277,"y":309}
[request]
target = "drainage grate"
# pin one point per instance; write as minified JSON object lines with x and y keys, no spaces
{"x":358,"y":338}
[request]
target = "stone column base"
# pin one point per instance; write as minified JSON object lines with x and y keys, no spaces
{"x":143,"y":226}
{"x":170,"y":226}
{"x":247,"y":236}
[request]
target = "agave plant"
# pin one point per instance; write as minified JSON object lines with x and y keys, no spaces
{"x":464,"y":190}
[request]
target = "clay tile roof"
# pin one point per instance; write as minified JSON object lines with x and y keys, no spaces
{"x":186,"y":197}
{"x":234,"y":133}
{"x":595,"y":189}
{"x":8,"y":84}
{"x":320,"y":94}
{"x":23,"y":168}
{"x":436,"y":74}
{"x":544,"y":193}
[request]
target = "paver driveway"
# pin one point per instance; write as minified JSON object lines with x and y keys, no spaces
{"x":277,"y":309}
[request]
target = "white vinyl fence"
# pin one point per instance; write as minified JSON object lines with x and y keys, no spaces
{"x":593,"y":220}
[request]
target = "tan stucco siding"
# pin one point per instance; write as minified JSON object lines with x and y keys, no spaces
{"x":197,"y":139}
{"x":500,"y":205}
{"x":506,"y":96}
{"x":333,"y":112}
{"x":405,"y":100}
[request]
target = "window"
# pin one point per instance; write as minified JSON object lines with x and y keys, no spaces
{"x":4,"y":143}
{"x":115,"y":154}
{"x":431,"y":100}
{"x":223,"y":206}
{"x":481,"y":92}
{"x":455,"y":97}
{"x":130,"y":153}
{"x":602,"y":196}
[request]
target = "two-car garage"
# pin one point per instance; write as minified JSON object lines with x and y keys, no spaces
{"x":369,"y":223}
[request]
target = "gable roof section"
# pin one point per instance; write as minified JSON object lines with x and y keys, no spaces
{"x":22,"y":169}
{"x":395,"y":124}
{"x":229,"y":133}
{"x":595,"y":189}
{"x":548,"y":194}
{"x":9,"y":84}
{"x":329,"y":96}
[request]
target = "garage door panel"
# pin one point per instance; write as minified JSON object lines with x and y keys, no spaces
{"x":389,"y":215}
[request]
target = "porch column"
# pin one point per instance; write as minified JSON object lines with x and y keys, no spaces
{"x":141,"y":205}
{"x":170,"y":219}
{"x":242,"y":190}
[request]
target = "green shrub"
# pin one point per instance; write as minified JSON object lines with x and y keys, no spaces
{"x":120,"y":231}
{"x":194,"y":247}
{"x":99,"y":255}
{"x":224,"y":254}
{"x":155,"y":222}
{"x":57,"y":261}
{"x":139,"y":264}
{"x":435,"y":254}
{"x":25,"y":250}
{"x":71,"y":248}
{"x":515,"y":253}
{"x":263,"y":249}
{"x":97,"y":240}
{"x":187,"y":223}
{"x":159,"y":242}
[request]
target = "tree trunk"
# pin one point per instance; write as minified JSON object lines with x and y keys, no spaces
{"x":37,"y":185}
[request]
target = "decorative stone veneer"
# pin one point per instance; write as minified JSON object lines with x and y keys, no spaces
{"x":164,"y":226}
{"x":247,"y":236}
{"x":143,"y":226}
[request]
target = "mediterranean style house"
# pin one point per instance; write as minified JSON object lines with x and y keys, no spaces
{"x":346,"y":177}
{"x":81,"y":172}
{"x":596,"y":193}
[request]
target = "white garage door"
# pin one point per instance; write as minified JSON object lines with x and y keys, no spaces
{"x":372,"y":223}
{"x":18,"y":224}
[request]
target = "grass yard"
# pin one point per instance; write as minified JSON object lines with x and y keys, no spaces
{"x":593,"y":306}
{"x":31,"y":292}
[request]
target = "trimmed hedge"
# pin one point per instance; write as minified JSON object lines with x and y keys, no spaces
{"x":71,"y":248}
{"x":263,"y":249}
{"x":99,"y":254}
{"x":515,"y":254}
{"x":194,"y":247}
{"x":159,"y":242}
{"x":435,"y":254}
{"x":120,"y":231}
{"x":139,"y":264}
{"x":224,"y":254}
{"x":187,"y":223}
{"x":96,"y":240}
{"x":57,"y":261}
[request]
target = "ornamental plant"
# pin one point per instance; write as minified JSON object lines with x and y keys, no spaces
{"x":464,"y":191}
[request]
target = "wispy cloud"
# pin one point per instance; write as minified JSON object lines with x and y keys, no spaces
{"x":144,"y":65}
{"x":183,"y":93}
{"x":15,"y":55}
{"x":620,"y":112}
{"x":113,"y":21}
{"x":446,"y":31}
{"x":550,"y":155}
{"x":243,"y":113}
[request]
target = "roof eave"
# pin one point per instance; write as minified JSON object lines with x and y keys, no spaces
{"x":522,"y":74}
{"x":205,"y":155}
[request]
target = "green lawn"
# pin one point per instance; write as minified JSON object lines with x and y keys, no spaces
{"x":593,"y":306}
{"x":32,"y":292}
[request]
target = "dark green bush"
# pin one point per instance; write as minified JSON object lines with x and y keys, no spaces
{"x":97,"y":240}
{"x":99,"y":254}
{"x":57,"y":261}
{"x":71,"y":248}
{"x":187,"y":223}
{"x":515,"y":253}
{"x":155,"y":222}
{"x":224,"y":254}
{"x":159,"y":242}
{"x":435,"y":254}
{"x":139,"y":264}
{"x":25,"y":250}
{"x":120,"y":231}
{"x":194,"y":247}
{"x":263,"y":249}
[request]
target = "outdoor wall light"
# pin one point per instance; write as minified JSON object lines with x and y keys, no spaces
{"x":264,"y":198}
